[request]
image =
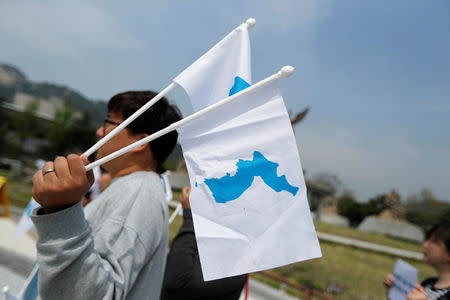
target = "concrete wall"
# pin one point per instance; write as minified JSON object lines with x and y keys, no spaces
{"x":396,"y":229}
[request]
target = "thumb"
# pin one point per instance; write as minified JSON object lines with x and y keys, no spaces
{"x":89,"y":174}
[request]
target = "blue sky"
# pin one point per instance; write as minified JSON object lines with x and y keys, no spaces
{"x":375,"y":73}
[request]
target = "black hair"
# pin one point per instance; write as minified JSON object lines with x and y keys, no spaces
{"x":157,"y":117}
{"x":440,"y":232}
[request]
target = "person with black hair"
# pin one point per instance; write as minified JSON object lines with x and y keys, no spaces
{"x":437,"y":254}
{"x":116,"y":248}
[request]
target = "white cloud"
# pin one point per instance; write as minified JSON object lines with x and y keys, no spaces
{"x":299,"y":15}
{"x":61,"y":27}
{"x":440,"y":108}
{"x":285,"y":16}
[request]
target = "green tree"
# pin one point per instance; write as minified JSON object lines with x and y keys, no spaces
{"x":68,"y":133}
{"x":425,"y":209}
{"x":82,"y":133}
{"x":26,"y":123}
{"x":3,"y":125}
{"x":356,"y":211}
{"x":375,"y":205}
{"x":445,"y":216}
{"x":59,"y":130}
{"x":331,"y":181}
{"x":351,"y":209}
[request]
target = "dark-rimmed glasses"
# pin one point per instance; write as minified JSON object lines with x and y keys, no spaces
{"x":108,"y":121}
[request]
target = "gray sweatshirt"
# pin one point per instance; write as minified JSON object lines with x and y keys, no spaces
{"x":115,"y":249}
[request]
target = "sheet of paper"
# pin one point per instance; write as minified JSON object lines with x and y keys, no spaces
{"x":405,"y":279}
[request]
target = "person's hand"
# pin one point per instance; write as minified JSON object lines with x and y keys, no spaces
{"x":417,"y":293}
{"x":86,"y":200}
{"x":388,"y":281}
{"x":63,"y":187}
{"x":184,"y":197}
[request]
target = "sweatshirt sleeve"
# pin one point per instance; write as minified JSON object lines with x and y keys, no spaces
{"x":188,"y":224}
{"x":70,"y":267}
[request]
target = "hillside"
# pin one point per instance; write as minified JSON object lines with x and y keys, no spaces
{"x":13,"y":81}
{"x":14,"y":84}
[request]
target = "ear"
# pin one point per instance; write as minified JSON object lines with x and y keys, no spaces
{"x":141,"y":148}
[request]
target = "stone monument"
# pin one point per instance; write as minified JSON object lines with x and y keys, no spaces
{"x":330,"y":213}
{"x":391,"y":221}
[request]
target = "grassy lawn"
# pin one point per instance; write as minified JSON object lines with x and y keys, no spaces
{"x":368,"y":237}
{"x":175,"y":226}
{"x":19,"y":193}
{"x":359,"y":273}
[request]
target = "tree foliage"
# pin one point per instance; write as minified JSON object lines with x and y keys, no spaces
{"x":3,"y":125}
{"x":82,"y":133}
{"x":67,"y":133}
{"x":59,"y":128}
{"x":425,"y":209}
{"x":26,"y":123}
{"x":356,"y":211}
{"x":349,"y":208}
{"x":330,"y":180}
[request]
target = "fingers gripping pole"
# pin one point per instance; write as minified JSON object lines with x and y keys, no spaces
{"x":285,"y":72}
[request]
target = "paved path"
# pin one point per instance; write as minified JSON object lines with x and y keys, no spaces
{"x":369,"y":246}
{"x":24,"y":244}
{"x":260,"y":291}
{"x":17,"y":257}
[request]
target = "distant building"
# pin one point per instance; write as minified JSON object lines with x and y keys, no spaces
{"x":47,"y":107}
{"x":46,"y":113}
{"x":317,"y":192}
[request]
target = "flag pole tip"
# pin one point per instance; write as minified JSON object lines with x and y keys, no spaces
{"x":286,"y":71}
{"x":250,"y":23}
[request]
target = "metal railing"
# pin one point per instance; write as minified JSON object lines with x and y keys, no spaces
{"x":307,"y":291}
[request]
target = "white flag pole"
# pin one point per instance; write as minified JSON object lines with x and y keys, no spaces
{"x":175,"y":212}
{"x":286,"y":71}
{"x":250,"y":23}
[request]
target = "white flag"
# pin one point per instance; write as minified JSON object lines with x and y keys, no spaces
{"x":25,"y":223}
{"x":248,"y":195}
{"x":224,"y":70}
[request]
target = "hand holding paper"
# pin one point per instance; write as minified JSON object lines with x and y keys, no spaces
{"x":417,"y":293}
